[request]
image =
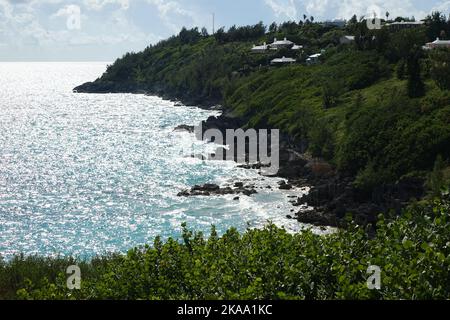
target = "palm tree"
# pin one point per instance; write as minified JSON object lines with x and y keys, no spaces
{"x":387,"y":15}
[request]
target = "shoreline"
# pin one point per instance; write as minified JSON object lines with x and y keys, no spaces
{"x":332,"y":195}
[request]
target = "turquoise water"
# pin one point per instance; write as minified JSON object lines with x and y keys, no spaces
{"x":85,"y":174}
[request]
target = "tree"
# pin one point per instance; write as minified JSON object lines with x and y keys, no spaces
{"x":436,"y":178}
{"x":387,"y":15}
{"x":401,"y":69}
{"x":436,"y":23}
{"x":440,"y":68}
{"x":330,"y":91}
{"x":189,"y":36}
{"x":220,"y":35}
{"x":273,"y":28}
{"x":204,"y":32}
{"x":416,"y":87}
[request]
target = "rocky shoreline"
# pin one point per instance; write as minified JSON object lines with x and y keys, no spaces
{"x":332,"y":195}
{"x":210,"y":189}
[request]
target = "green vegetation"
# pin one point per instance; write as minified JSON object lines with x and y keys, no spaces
{"x":413,"y":252}
{"x":378,"y":109}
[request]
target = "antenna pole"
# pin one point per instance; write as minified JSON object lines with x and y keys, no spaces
{"x":213,"y":23}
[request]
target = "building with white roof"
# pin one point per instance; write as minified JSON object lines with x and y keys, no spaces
{"x":296,"y":47}
{"x":283,"y":60}
{"x":278,"y":44}
{"x":260,"y":49}
{"x":313,"y":59}
{"x":347,"y":39}
{"x":404,"y":25}
{"x":438,"y":43}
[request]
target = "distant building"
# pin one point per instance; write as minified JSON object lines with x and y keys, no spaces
{"x":278,"y":44}
{"x":260,"y":49}
{"x":347,"y":39}
{"x":283,"y":60}
{"x":404,"y":25}
{"x":296,"y":47}
{"x":313,"y":59}
{"x":437,"y":44}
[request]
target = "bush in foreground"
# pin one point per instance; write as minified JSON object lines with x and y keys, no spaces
{"x":413,"y":252}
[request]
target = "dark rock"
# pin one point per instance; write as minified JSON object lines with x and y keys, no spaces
{"x":249,"y":192}
{"x":286,"y":186}
{"x":213,"y":189}
{"x":184,"y":127}
{"x":317,"y":218}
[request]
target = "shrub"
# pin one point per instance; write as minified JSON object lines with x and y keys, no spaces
{"x":412,"y":252}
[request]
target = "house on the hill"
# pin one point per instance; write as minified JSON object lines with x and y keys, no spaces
{"x":278,"y":44}
{"x":283,"y":60}
{"x":404,"y":25}
{"x":296,"y":47}
{"x":313,"y":59}
{"x":347,"y":39}
{"x":438,"y":43}
{"x":260,"y":49}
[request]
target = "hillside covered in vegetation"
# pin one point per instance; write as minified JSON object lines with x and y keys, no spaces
{"x":377,"y":109}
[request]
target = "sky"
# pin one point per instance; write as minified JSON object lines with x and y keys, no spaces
{"x":102,"y":30}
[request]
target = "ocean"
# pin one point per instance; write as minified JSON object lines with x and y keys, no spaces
{"x":88,"y":174}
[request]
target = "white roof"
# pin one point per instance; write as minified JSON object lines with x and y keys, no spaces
{"x":405,"y":23}
{"x":261,"y":47}
{"x":284,"y":42}
{"x":315,"y":55}
{"x":297,"y":47}
{"x":439,"y":41}
{"x":283,"y":60}
{"x":349,"y":37}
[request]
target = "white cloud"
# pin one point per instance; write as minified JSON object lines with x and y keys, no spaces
{"x":125,"y":24}
{"x":99,"y":4}
{"x":283,"y":8}
{"x":344,"y":9}
{"x":443,"y":6}
{"x":174,"y":15}
{"x":67,"y":11}
{"x":318,"y":7}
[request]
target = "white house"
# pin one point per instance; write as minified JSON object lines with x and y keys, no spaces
{"x":404,"y":25}
{"x":347,"y":39}
{"x":283,"y":60}
{"x":278,"y":44}
{"x":259,"y":49}
{"x":313,"y":59}
{"x":438,"y":43}
{"x":296,"y":47}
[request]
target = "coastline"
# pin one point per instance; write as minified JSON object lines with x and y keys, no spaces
{"x":332,"y":195}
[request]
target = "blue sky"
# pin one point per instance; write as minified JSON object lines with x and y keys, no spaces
{"x":68,"y":30}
